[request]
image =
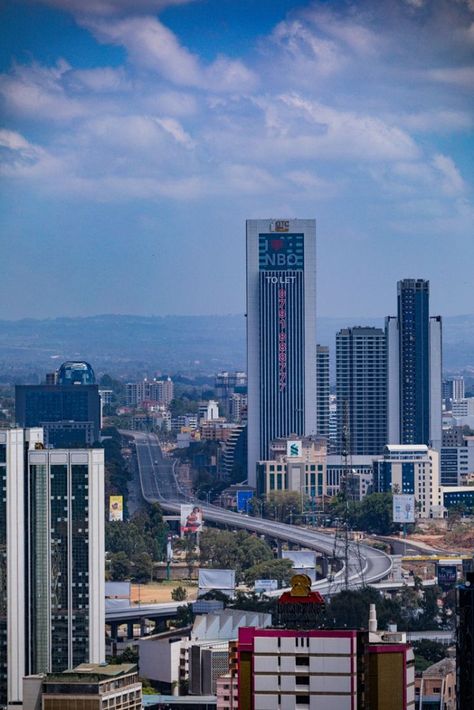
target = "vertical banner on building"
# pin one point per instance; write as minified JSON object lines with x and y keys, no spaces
{"x":116,"y":509}
{"x":403,"y":509}
{"x":190,"y":519}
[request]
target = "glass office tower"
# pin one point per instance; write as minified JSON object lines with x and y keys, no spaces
{"x":281,"y":333}
{"x":51,"y":559}
{"x":414,"y":368}
{"x":361,"y":390}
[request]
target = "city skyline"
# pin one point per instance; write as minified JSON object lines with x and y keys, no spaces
{"x":137,"y":142}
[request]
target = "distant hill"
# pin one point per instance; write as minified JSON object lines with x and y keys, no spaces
{"x":123,"y":345}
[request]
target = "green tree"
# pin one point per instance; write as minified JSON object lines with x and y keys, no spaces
{"x":280,"y":570}
{"x":375,"y":514}
{"x":142,"y":567}
{"x":431,"y":651}
{"x":119,"y":566}
{"x":179,"y":594}
{"x":223,"y":549}
{"x":285,"y":506}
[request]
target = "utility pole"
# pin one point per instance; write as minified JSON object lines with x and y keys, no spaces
{"x":346,"y":449}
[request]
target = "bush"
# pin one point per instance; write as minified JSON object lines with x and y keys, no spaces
{"x":179,"y":594}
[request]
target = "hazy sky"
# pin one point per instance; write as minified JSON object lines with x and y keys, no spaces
{"x":138,"y":135}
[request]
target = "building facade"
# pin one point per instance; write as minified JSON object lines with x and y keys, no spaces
{"x":412,"y":470}
{"x":69,"y":414}
{"x":294,"y":465}
{"x":361,"y":390}
{"x":89,"y":686}
{"x":414,"y":364}
{"x":52,"y":559}
{"x":284,"y":669}
{"x":322,"y":390}
{"x":281,"y":333}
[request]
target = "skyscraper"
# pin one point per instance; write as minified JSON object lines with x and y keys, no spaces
{"x":322,"y":390}
{"x":414,"y":368}
{"x":51,"y":559}
{"x":281,"y":333}
{"x":361,"y":389}
{"x":68,"y":410}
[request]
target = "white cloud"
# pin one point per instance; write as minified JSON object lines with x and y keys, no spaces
{"x":174,"y":128}
{"x":111,"y":7}
{"x":153,"y":46}
{"x":452,"y":181}
{"x":459,"y":76}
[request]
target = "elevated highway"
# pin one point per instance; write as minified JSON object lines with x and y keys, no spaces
{"x":159,"y":484}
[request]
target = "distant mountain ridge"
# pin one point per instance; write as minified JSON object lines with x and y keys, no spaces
{"x":124,"y":343}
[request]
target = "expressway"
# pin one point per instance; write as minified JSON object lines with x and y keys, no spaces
{"x":159,"y":484}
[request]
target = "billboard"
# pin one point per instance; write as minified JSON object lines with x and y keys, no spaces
{"x":447,"y":575}
{"x":190,"y":519}
{"x":278,"y":252}
{"x":294,"y":449}
{"x":265,"y":585}
{"x":115,"y":508}
{"x":403,"y":509}
{"x":243,"y":500}
{"x":222,"y":580}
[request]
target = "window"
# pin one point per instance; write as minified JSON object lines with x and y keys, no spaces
{"x":302,"y":660}
{"x":302,"y":680}
{"x":302,"y":700}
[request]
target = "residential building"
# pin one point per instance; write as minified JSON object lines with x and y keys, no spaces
{"x":453,"y":389}
{"x":227,"y":384}
{"x":337,"y":669}
{"x":195,"y":655}
{"x":435,"y":688}
{"x":414,"y":368}
{"x":281,"y":333}
{"x":89,"y":685}
{"x":208,"y":411}
{"x":237,"y":408}
{"x":161,"y":391}
{"x":52,"y":559}
{"x":234,"y":454}
{"x":227,"y":692}
{"x":69,"y":412}
{"x":463,"y":407}
{"x":457,"y":462}
{"x":294,"y":465}
{"x":361,"y":388}
{"x":410,"y":469}
{"x":322,"y":390}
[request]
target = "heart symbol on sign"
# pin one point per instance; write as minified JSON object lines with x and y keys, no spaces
{"x":277,"y":244}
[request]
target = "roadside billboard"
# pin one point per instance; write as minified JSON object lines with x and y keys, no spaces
{"x":190,"y":519}
{"x":115,"y":508}
{"x":447,"y":575}
{"x":403,"y":508}
{"x":243,"y":499}
{"x":265,"y":585}
{"x":221,"y":580}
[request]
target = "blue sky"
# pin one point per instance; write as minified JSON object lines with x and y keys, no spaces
{"x":138,"y":135}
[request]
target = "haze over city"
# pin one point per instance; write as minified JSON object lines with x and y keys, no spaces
{"x":138,"y":137}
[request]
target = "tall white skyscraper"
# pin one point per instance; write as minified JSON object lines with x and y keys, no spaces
{"x":281,"y":333}
{"x":51,"y":559}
